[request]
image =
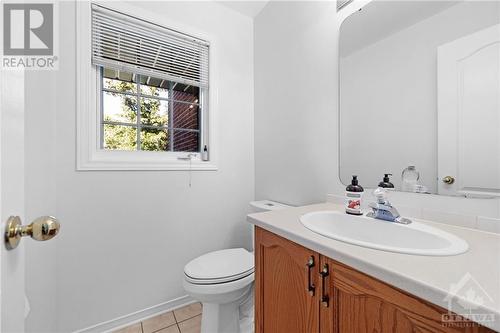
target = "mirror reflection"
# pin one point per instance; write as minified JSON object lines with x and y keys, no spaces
{"x":420,"y":96}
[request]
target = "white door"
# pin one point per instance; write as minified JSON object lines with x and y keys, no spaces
{"x":12,"y":304}
{"x":469,"y":115}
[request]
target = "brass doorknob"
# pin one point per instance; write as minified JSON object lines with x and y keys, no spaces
{"x":41,"y":229}
{"x":448,"y":180}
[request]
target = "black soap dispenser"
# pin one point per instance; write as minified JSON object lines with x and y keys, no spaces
{"x":353,"y":197}
{"x":386,"y":183}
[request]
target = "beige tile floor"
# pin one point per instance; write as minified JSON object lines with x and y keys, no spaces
{"x":183,"y":320}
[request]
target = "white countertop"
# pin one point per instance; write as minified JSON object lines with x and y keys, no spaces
{"x":430,"y":278}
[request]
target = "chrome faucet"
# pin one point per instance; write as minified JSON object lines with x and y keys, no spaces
{"x":383,"y":210}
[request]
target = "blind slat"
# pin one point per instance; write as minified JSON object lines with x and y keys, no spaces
{"x":342,"y":3}
{"x":145,"y":52}
{"x":128,"y":44}
{"x":132,"y":42}
{"x":140,"y":28}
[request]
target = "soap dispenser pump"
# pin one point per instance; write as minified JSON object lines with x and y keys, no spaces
{"x":386,"y":182}
{"x":353,"y":197}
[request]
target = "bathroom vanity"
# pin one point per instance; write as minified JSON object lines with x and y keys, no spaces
{"x":306,"y":282}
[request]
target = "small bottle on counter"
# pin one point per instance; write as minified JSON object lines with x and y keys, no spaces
{"x":353,"y":197}
{"x":386,"y":182}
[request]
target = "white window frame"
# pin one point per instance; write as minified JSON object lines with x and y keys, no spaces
{"x":90,"y":155}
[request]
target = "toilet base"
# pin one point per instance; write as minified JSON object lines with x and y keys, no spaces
{"x":247,"y":313}
{"x":228,"y":317}
{"x":221,"y":318}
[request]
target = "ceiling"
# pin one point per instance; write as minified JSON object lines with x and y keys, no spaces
{"x":380,"y":19}
{"x":247,"y":8}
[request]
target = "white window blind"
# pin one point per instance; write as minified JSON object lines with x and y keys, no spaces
{"x":342,"y":3}
{"x":122,"y":42}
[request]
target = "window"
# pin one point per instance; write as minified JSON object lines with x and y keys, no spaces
{"x":139,"y":112}
{"x":151,"y":79}
{"x":151,"y":93}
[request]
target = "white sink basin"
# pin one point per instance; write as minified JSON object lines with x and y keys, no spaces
{"x":414,"y":238}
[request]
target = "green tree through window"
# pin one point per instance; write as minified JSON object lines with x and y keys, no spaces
{"x":153,"y":135}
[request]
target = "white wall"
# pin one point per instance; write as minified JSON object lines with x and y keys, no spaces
{"x":295,"y":101}
{"x":296,"y":142}
{"x":126,"y":236}
{"x":389,"y":94}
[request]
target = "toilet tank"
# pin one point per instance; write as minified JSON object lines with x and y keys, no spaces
{"x":264,"y":206}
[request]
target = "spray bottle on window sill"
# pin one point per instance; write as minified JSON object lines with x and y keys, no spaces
{"x":353,"y":197}
{"x":204,"y":154}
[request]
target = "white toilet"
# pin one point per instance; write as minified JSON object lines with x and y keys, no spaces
{"x":223,"y":282}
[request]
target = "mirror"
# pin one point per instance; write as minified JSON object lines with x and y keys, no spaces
{"x":420,"y":91}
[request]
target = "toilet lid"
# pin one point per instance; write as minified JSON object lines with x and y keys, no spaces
{"x":220,"y":266}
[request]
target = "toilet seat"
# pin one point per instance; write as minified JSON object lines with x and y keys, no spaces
{"x":220,"y":267}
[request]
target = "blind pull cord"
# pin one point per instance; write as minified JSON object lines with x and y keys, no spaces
{"x":189,"y":158}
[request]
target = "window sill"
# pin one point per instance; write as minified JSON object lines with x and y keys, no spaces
{"x":101,"y":160}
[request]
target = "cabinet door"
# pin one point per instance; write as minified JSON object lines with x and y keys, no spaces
{"x":364,"y":304}
{"x":286,"y":284}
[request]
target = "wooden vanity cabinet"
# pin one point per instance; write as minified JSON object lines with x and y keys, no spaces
{"x":286,"y":283}
{"x":291,"y":295}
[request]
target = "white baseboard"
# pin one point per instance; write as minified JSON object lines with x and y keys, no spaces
{"x":137,"y":316}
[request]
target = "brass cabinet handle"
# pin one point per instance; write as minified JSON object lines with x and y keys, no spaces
{"x":325,"y":299}
{"x":448,"y":180}
{"x":41,"y":229}
{"x":310,"y":287}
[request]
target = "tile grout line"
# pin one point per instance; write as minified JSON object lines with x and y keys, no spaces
{"x":175,"y":317}
{"x":189,"y":318}
{"x":161,"y":329}
{"x":199,"y":314}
